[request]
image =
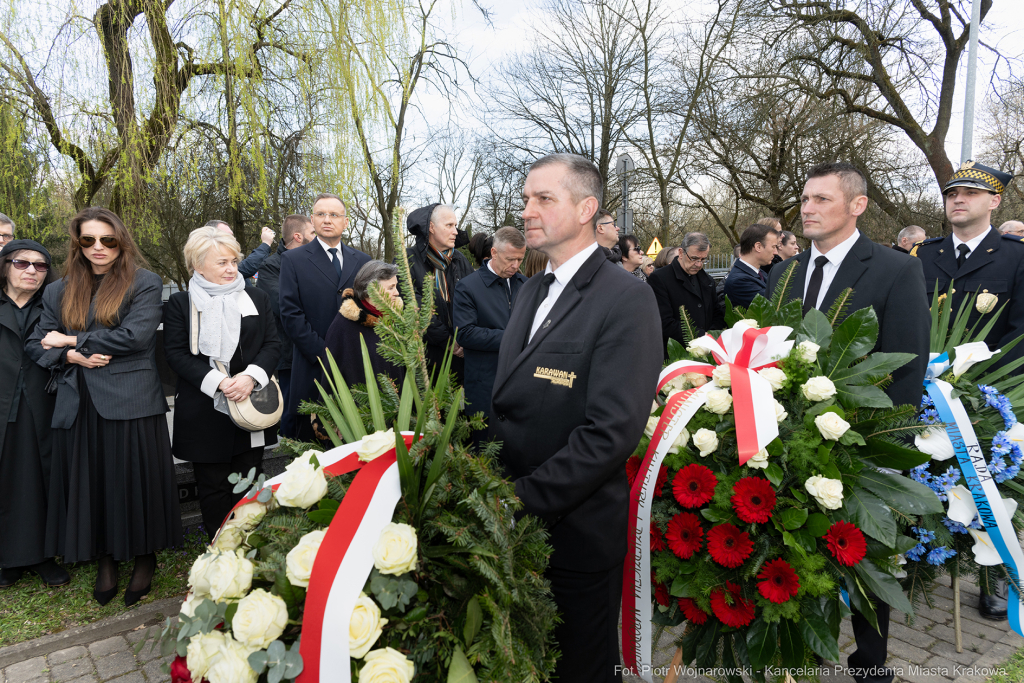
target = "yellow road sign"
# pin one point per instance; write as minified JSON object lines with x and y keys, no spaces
{"x":654,"y":249}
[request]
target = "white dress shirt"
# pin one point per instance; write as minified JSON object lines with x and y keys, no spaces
{"x":506,"y":280}
{"x":563,"y":274}
{"x":971,"y":244}
{"x":754,"y":270}
{"x":835,"y":258}
{"x":327,"y":250}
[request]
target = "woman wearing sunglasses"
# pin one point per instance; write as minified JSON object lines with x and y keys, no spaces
{"x":25,"y":413}
{"x":113,"y":495}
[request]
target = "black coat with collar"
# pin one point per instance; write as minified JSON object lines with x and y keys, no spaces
{"x":310,"y":295}
{"x":741,"y":285}
{"x":14,"y":359}
{"x":890,"y":282}
{"x":673,"y":289}
{"x":567,"y":421}
{"x":996,"y":266}
{"x":483,"y":306}
{"x":201,"y":432}
{"x":268,"y":281}
{"x":352,"y":323}
{"x":442,"y":325}
{"x":129,"y":386}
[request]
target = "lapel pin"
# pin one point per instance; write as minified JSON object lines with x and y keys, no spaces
{"x":546,"y":323}
{"x":941,"y":250}
{"x":990,"y":250}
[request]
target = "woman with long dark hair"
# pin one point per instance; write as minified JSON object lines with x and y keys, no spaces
{"x":112,"y":490}
{"x":25,"y":413}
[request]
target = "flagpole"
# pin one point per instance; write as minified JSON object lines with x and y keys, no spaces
{"x":967,"y":141}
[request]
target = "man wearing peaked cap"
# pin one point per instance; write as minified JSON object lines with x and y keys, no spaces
{"x":976,"y":259}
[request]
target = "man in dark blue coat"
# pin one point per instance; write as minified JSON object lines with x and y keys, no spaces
{"x":312,"y":279}
{"x":483,"y":305}
{"x":758,"y":246}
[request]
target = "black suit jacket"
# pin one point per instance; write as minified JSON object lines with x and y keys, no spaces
{"x":741,"y":285}
{"x":996,"y":266}
{"x":673,"y":289}
{"x":483,"y":305}
{"x":568,"y":420}
{"x":201,"y":432}
{"x":269,"y":281}
{"x":893,"y":284}
{"x":310,"y":296}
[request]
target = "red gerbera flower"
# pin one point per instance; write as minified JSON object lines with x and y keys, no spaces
{"x":684,"y":534}
{"x":657,"y":538}
{"x":778,"y":581}
{"x":847,"y":543}
{"x":632,"y":467}
{"x":753,"y":499}
{"x":661,"y":594}
{"x":695,"y":615}
{"x":659,"y":483}
{"x":694,"y":485}
{"x":730,"y":607}
{"x":728,"y":545}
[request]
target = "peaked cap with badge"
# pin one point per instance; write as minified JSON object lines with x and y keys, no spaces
{"x":971,"y":174}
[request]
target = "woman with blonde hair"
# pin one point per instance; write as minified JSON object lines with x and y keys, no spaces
{"x":113,"y":495}
{"x":219,"y":321}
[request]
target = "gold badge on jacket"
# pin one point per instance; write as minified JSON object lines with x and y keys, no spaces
{"x":559,"y":377}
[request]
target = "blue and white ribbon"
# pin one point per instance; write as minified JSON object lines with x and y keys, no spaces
{"x":971,"y":457}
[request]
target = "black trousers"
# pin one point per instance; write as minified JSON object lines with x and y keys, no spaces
{"x":215,"y":496}
{"x":588,"y":635}
{"x":868,"y":661}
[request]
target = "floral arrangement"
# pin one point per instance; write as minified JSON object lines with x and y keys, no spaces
{"x":754,"y":556}
{"x":956,"y":540}
{"x":449,"y":586}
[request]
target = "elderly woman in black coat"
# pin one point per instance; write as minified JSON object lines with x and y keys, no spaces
{"x":237,"y":328}
{"x":25,"y":413}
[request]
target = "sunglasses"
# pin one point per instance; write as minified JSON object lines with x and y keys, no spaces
{"x":108,"y":241}
{"x":23,"y":265}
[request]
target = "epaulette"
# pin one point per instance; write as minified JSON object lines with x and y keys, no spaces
{"x":913,"y":250}
{"x":1015,"y":238}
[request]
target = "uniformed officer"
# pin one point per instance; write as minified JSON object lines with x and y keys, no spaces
{"x":977,"y":259}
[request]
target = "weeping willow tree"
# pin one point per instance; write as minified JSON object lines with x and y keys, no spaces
{"x":25,"y":196}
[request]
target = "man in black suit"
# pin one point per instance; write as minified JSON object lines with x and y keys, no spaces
{"x":295,"y":231}
{"x":685,"y":284}
{"x":567,"y":423}
{"x":840,"y":257}
{"x":312,"y":279}
{"x":746,"y":279}
{"x":483,"y":305}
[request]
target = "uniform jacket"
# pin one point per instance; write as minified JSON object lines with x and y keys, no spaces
{"x":268,"y":281}
{"x":674,"y":288}
{"x":483,"y":305}
{"x":567,"y":422}
{"x":12,"y":359}
{"x":891,"y":283}
{"x":310,"y":294}
{"x":741,"y":285}
{"x":129,"y":386}
{"x":996,"y":266}
{"x":201,"y":432}
{"x":442,"y":325}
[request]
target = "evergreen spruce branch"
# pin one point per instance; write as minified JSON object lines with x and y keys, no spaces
{"x":837,"y":310}
{"x":687,"y":325}
{"x":782,"y":287}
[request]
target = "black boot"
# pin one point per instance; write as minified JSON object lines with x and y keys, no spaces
{"x":9,"y":577}
{"x":994,"y":606}
{"x":51,"y":573}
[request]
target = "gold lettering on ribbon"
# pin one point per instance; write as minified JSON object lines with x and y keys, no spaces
{"x":559,"y":377}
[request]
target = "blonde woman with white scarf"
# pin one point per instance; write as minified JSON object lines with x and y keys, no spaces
{"x":237,"y":328}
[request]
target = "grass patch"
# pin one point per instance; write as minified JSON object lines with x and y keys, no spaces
{"x":30,"y":609}
{"x":1014,"y":669}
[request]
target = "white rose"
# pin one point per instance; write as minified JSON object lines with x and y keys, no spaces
{"x":249,"y":515}
{"x":304,"y":460}
{"x":364,"y":627}
{"x":260,"y":619}
{"x":387,"y":666}
{"x":831,"y":426}
{"x":775,"y":377}
{"x":806,"y":351}
{"x":706,"y":440}
{"x":819,"y":388}
{"x":696,"y":350}
{"x":722,"y":375}
{"x":302,"y":486}
{"x":375,"y":445}
{"x":696,"y":379}
{"x":221,"y":575}
{"x":395,"y":550}
{"x":231,"y":536}
{"x":188,"y":607}
{"x":718,"y":401}
{"x":652,"y":424}
{"x":780,"y":412}
{"x":828,"y":492}
{"x":202,"y":647}
{"x":746,"y":323}
{"x":759,"y":460}
{"x":231,"y":663}
{"x":299,"y":560}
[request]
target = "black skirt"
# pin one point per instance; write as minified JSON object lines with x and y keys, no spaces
{"x":24,"y":473}
{"x":112,"y":487}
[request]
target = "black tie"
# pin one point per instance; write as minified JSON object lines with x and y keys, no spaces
{"x":814,"y":287}
{"x":963,"y":250}
{"x":336,"y":262}
{"x":542,"y":293}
